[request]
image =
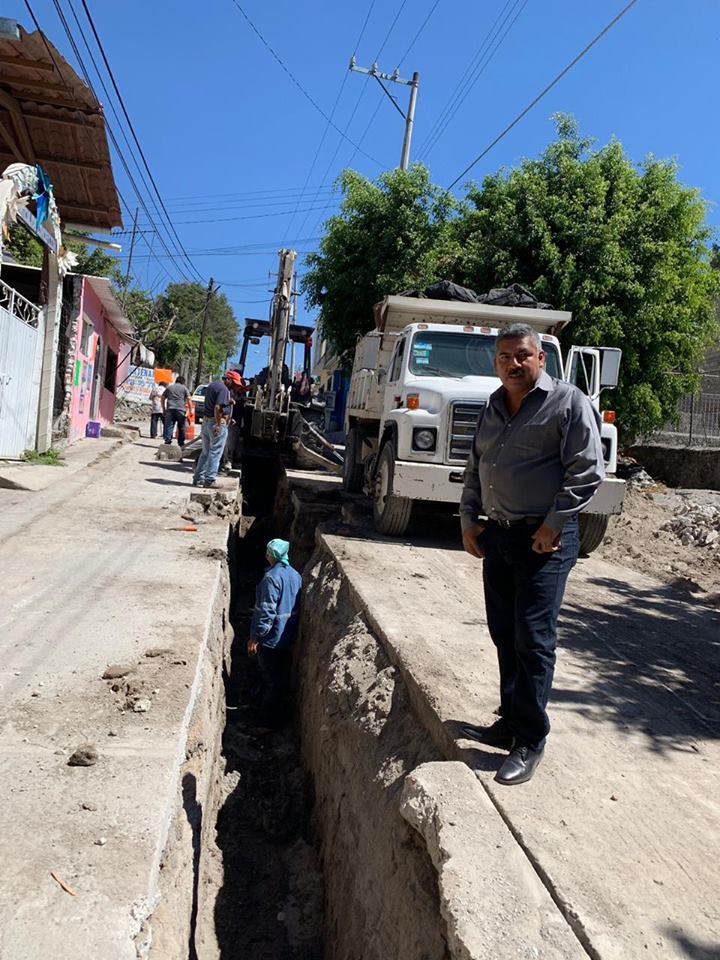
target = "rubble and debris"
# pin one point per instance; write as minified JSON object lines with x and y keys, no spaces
{"x":86,"y":755}
{"x":117,"y":670}
{"x":142,"y":705}
{"x":169,"y":451}
{"x":695,"y":524}
{"x":159,"y":652}
{"x":62,"y":884}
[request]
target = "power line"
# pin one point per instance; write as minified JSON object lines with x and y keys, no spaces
{"x":252,"y":216}
{"x":466,"y":80}
{"x":65,"y":25}
{"x":71,"y":93}
{"x":327,"y":125}
{"x":134,"y":135}
{"x":83,"y":69}
{"x":421,"y":30}
{"x":297,"y":83}
{"x":357,"y":146}
{"x":480,"y":69}
{"x":546,"y":90}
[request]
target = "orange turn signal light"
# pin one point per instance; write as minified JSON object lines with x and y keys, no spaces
{"x":608,"y":416}
{"x":413,"y":401}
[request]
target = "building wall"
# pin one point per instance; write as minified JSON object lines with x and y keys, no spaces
{"x":89,"y":397}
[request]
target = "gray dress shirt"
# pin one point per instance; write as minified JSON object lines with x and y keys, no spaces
{"x":545,"y":462}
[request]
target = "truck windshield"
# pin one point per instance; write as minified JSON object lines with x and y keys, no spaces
{"x":445,"y":354}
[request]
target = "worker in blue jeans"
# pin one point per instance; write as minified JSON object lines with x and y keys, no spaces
{"x":216,"y":416}
{"x":274,"y":629}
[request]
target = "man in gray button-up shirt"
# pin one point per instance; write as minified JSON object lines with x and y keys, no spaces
{"x":536,"y":461}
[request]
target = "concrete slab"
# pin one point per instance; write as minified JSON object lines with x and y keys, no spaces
{"x":98,"y":578}
{"x":620,"y":819}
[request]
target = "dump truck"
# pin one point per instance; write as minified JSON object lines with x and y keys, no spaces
{"x":419,"y":381}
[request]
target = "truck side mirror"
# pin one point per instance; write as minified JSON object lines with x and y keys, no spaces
{"x":610,"y":367}
{"x":381,"y":374}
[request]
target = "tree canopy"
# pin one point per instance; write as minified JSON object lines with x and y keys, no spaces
{"x":389,"y":235}
{"x":625,"y":247}
{"x":179,"y":310}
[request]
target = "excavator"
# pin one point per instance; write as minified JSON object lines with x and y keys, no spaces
{"x":273,"y":423}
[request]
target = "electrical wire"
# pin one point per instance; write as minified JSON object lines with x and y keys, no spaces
{"x":355,"y":109}
{"x":327,"y":125}
{"x":135,"y":136}
{"x":108,"y":125}
{"x":480,"y":59}
{"x":545,"y":90}
{"x":419,"y":33}
{"x":297,"y":83}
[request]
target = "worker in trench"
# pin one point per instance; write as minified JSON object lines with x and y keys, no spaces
{"x":535,"y":463}
{"x":273,"y":631}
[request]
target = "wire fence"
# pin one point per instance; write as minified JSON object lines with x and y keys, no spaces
{"x":698,"y":417}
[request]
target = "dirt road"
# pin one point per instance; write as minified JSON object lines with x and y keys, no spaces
{"x":94,"y":575}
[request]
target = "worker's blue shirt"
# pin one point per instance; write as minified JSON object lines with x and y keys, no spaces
{"x":217,"y":394}
{"x":276,"y":618}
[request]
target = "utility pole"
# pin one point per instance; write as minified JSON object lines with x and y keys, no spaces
{"x":280,"y":322}
{"x":408,"y":117}
{"x":130,"y":256}
{"x":201,"y":347}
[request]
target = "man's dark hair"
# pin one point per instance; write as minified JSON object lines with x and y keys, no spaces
{"x":180,"y":380}
{"x":518,"y":331}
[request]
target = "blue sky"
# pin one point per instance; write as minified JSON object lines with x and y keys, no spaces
{"x":229,"y":135}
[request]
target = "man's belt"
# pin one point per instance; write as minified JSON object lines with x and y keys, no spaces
{"x":521,"y":522}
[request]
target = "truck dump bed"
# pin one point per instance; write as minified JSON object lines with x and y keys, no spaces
{"x":394,"y":313}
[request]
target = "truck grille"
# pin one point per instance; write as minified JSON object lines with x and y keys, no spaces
{"x":463,"y":421}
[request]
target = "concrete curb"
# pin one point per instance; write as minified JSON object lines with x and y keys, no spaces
{"x":492,"y":904}
{"x":36,"y":477}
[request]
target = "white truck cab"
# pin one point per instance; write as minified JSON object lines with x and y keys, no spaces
{"x":419,"y":382}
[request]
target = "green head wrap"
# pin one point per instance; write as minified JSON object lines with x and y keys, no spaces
{"x":278,"y":551}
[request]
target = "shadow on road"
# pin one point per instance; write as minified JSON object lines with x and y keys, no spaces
{"x":653,"y":659}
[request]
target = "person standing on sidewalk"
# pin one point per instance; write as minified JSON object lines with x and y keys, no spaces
{"x":274,"y":629}
{"x":176,"y":408}
{"x":156,"y":409}
{"x":535,"y":463}
{"x":216,"y":416}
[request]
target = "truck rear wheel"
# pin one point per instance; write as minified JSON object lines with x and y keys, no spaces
{"x":391,"y":513}
{"x":593,"y":527}
{"x":353,"y":469}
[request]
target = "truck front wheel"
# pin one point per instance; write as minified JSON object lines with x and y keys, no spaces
{"x":391,"y":513}
{"x":353,"y":471}
{"x":593,"y":527}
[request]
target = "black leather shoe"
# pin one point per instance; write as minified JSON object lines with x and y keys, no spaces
{"x":519,"y":766}
{"x":498,"y":734}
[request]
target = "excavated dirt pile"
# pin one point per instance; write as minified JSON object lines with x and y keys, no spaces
{"x":670,"y":534}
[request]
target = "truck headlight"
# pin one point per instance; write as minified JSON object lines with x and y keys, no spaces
{"x":424,"y":438}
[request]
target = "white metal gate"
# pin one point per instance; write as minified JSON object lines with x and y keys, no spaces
{"x":19,"y":322}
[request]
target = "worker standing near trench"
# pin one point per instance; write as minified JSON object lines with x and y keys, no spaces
{"x":274,"y":629}
{"x":535,"y":463}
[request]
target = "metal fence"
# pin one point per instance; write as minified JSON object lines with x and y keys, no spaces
{"x":698,"y":420}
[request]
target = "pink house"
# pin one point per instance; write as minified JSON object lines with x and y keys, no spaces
{"x":95,"y":356}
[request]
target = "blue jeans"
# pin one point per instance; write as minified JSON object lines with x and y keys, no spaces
{"x":212,"y":448}
{"x":523,"y":594}
{"x":173,"y":417}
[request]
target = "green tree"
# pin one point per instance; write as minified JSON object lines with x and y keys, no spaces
{"x":389,"y":235}
{"x":23,"y":247}
{"x":27,"y":250}
{"x":624,"y":247}
{"x":180,"y":310}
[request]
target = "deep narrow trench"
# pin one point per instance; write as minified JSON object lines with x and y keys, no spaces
{"x":270,"y":902}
